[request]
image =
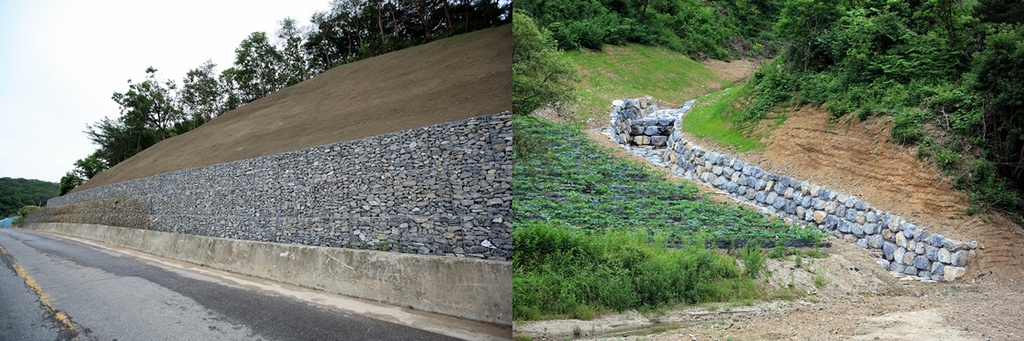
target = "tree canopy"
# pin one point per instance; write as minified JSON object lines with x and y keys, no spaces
{"x":17,"y":193}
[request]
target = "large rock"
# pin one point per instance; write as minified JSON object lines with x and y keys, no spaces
{"x":960,"y":258}
{"x":831,"y":221}
{"x":819,"y":216}
{"x":901,"y":239}
{"x":851,"y":215}
{"x":720,"y":182}
{"x":888,"y":250}
{"x":952,"y":273}
{"x":871,"y":229}
{"x":883,"y":263}
{"x":937,"y":269}
{"x":945,"y":256}
{"x":931,"y":252}
{"x":922,"y":263}
{"x":899,"y":255}
{"x":874,"y":241}
{"x":857,"y":229}
{"x":897,"y":268}
{"x":844,"y":226}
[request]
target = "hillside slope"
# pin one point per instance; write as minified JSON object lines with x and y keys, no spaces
{"x":448,"y":80}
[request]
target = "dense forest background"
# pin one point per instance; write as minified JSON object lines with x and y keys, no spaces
{"x":156,"y":108}
{"x":17,"y":193}
{"x":948,"y":72}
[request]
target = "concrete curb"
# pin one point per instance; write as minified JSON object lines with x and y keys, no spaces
{"x":478,"y":290}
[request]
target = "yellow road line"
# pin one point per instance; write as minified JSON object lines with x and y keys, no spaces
{"x":43,"y":297}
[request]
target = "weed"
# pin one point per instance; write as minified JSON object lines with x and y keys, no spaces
{"x":753,"y":259}
{"x":385,"y":246}
{"x":778,"y":252}
{"x":524,"y":337}
{"x":577,"y":331}
{"x":819,"y":279}
{"x":798,"y":260}
{"x":816,"y":253}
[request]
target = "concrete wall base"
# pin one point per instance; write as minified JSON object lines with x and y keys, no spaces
{"x":479,"y":290}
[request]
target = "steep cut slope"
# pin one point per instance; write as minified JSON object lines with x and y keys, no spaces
{"x":448,"y":80}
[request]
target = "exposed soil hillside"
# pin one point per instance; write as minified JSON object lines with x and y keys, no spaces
{"x":447,"y":80}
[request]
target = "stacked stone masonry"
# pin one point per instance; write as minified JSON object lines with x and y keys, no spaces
{"x":441,"y":190}
{"x":903,"y":248}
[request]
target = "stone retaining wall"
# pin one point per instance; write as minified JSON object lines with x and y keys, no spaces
{"x":442,"y":190}
{"x":642,"y":124}
{"x":903,"y":248}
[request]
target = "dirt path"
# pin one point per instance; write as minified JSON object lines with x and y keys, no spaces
{"x":858,"y":301}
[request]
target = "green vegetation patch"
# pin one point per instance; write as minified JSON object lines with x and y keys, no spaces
{"x":634,"y":71}
{"x":596,"y":233}
{"x":719,"y":116}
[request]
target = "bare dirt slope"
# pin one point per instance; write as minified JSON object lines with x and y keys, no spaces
{"x":447,"y":80}
{"x":859,"y":301}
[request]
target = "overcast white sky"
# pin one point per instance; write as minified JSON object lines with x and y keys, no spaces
{"x":60,"y":61}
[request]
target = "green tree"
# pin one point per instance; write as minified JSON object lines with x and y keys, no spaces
{"x":295,"y":63}
{"x":90,"y":166}
{"x":540,"y":73}
{"x":69,"y":182}
{"x":258,"y":67}
{"x":202,"y":95}
{"x":803,"y":23}
{"x":150,"y":104}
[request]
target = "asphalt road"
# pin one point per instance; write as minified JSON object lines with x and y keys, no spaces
{"x":57,"y":289}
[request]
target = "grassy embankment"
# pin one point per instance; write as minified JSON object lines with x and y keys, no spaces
{"x":595,"y":233}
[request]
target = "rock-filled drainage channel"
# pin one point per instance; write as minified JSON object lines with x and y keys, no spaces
{"x":902,"y":248}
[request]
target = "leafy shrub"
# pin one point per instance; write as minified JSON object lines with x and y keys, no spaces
{"x":907,"y":126}
{"x":946,"y":158}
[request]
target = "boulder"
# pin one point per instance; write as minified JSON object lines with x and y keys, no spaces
{"x":952,"y":273}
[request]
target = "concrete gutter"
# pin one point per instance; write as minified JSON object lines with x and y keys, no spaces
{"x":479,"y":290}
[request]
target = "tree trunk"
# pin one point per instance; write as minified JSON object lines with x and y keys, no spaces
{"x":394,"y":21}
{"x":422,"y":10}
{"x":447,"y":17}
{"x":380,"y":27}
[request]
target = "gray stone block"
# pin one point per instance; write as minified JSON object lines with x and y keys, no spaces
{"x":831,"y":221}
{"x":851,"y":215}
{"x":844,"y":226}
{"x":899,"y":255}
{"x":779,"y":203}
{"x":857,"y":229}
{"x":922,"y":263}
{"x":875,"y":241}
{"x":960,"y":258}
{"x":897,"y":268}
{"x":871,"y":229}
{"x":779,"y":187}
